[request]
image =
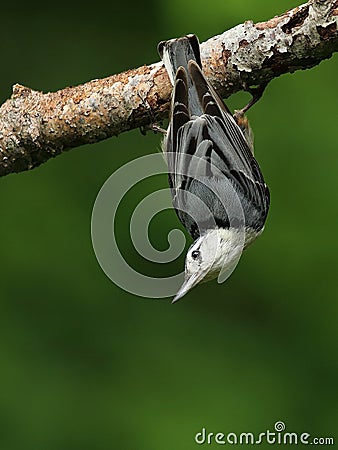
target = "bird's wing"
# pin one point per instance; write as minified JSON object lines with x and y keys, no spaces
{"x":232,"y":153}
{"x":219,"y":143}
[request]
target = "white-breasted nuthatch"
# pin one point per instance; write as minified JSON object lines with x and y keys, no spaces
{"x":217,"y":187}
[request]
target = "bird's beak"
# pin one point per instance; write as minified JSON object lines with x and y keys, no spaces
{"x":188,"y":284}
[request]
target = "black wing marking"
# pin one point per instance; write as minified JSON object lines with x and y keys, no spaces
{"x":209,"y":99}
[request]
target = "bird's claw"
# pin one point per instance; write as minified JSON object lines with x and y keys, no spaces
{"x":256,"y":93}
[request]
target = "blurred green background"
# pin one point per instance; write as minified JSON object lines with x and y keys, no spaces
{"x":85,"y":365}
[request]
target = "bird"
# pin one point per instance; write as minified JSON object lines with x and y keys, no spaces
{"x":218,"y":190}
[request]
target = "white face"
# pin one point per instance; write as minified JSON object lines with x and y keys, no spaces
{"x":202,"y":255}
{"x":208,"y":255}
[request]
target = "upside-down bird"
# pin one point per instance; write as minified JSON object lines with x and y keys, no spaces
{"x":217,"y":187}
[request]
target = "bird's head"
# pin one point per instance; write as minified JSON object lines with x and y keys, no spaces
{"x":215,"y":251}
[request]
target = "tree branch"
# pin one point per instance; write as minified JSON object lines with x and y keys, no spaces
{"x":35,"y":126}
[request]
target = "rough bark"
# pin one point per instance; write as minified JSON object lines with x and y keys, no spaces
{"x":35,"y":126}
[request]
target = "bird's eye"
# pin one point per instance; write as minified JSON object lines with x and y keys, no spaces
{"x":195,"y":254}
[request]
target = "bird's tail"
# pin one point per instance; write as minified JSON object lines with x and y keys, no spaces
{"x":177,"y":53}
